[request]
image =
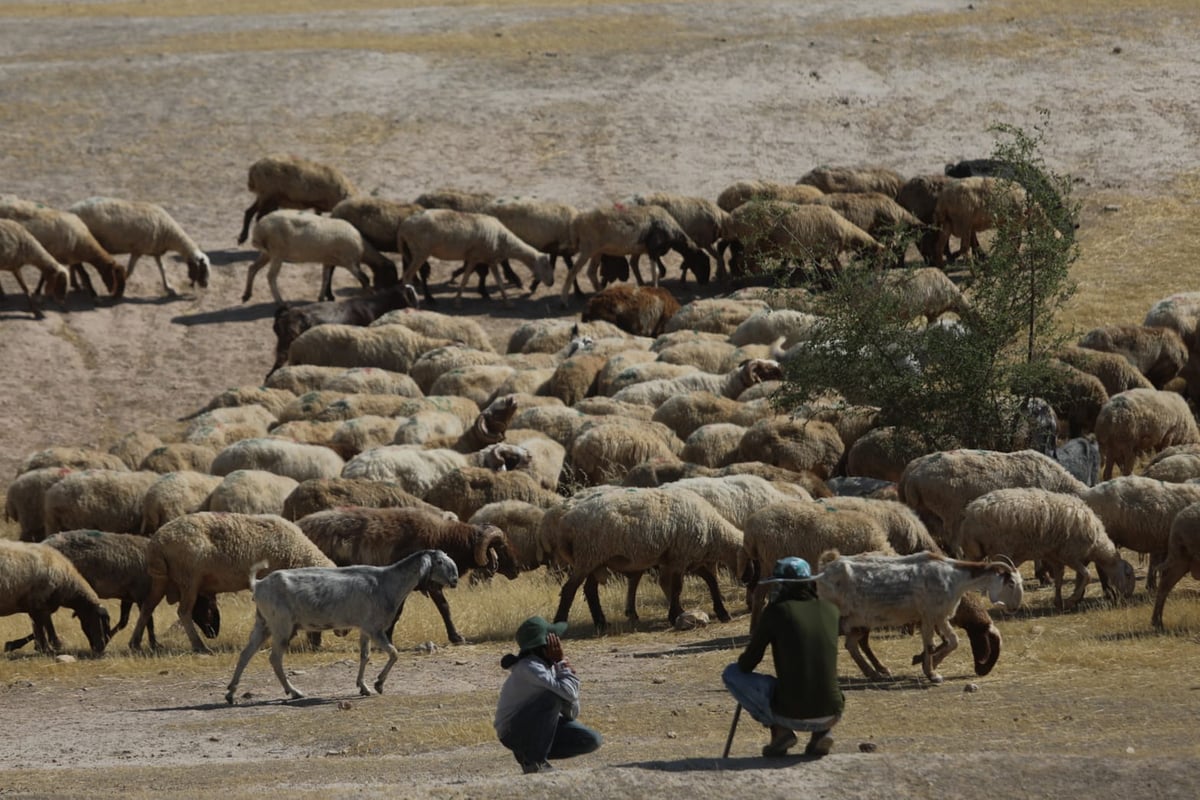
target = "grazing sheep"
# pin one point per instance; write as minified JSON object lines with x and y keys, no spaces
{"x":1075,"y":396}
{"x":769,"y":326}
{"x":795,"y":444}
{"x":390,"y":347}
{"x":18,"y":247}
{"x":1158,"y":353}
{"x":967,"y":207}
{"x":251,"y":491}
{"x":938,"y":486}
{"x":874,"y":591}
{"x":292,"y":321}
{"x":321,"y":494}
{"x":732,"y":384}
{"x":634,"y":530}
{"x":877,"y":214}
{"x":173,"y":495}
{"x":320,"y":599}
{"x":210,"y":553}
{"x":114,"y":565}
{"x":473,"y":238}
{"x":1181,"y":313}
{"x":713,"y":445}
{"x":883,"y":453}
{"x":1112,"y":369}
{"x":134,"y":446}
{"x":25,"y":501}
{"x":381,"y":536}
{"x":924,"y":292}
{"x":286,"y":181}
{"x":905,"y":532}
{"x":854,"y":179}
{"x":737,"y":194}
{"x":805,"y":234}
{"x":1183,"y":556}
{"x":68,"y":241}
{"x":297,"y":236}
{"x":273,"y":400}
{"x":71,"y":458}
{"x":38,"y":580}
{"x":640,"y":310}
{"x":1055,"y":529}
{"x":107,"y":500}
{"x":297,"y":461}
{"x":462,"y":330}
{"x":414,"y":468}
{"x":1142,"y":420}
{"x":142,"y":229}
{"x":686,"y":413}
{"x":1137,"y":513}
{"x":736,"y":497}
{"x":543,"y":225}
{"x":178,"y":456}
{"x":465,"y":491}
{"x":520,"y":522}
{"x":702,"y":220}
{"x":1178,"y":468}
{"x":378,"y":220}
{"x":919,"y":196}
{"x":605,"y":451}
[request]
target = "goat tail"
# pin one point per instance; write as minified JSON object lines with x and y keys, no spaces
{"x":254,"y":570}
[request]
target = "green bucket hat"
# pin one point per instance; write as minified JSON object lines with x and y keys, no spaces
{"x":533,"y":632}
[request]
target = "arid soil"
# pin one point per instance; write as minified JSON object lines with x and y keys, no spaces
{"x":584,"y":103}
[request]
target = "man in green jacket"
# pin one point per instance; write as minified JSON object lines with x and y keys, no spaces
{"x":802,"y":630}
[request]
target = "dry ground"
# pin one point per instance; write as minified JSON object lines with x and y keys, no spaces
{"x":581,"y":102}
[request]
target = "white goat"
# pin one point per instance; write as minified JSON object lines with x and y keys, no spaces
{"x":327,"y":598}
{"x":875,"y":591}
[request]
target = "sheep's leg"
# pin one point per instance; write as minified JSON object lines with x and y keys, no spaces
{"x":17,"y":644}
{"x":44,"y":636}
{"x":248,"y":217}
{"x":514,"y":278}
{"x":162,"y":273}
{"x":1152,"y":570}
{"x":326,"y":292}
{"x":661,"y":272}
{"x":439,"y":599}
{"x":591,"y":593}
{"x":258,"y":635}
{"x":671,"y":583}
{"x":567,"y":597}
{"x":634,"y":578}
{"x":258,"y":264}
{"x":940,"y":249}
{"x":714,"y":591}
{"x":123,"y":619}
{"x":158,"y":590}
{"x":719,"y":257}
{"x":467,"y":271}
{"x":33,"y":307}
{"x":495,"y":269}
{"x":187,"y":601}
{"x":634,"y":263}
{"x":393,"y":654}
{"x":1081,"y":581}
{"x":1173,"y":571}
{"x":273,"y":278}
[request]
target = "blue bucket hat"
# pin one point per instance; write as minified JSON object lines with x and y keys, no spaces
{"x":790,"y":569}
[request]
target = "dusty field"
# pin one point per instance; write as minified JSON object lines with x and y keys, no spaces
{"x":584,"y":103}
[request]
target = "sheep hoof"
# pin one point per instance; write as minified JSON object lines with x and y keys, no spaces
{"x":378,"y":687}
{"x":229,"y":697}
{"x":365,"y":692}
{"x":246,"y":298}
{"x":935,"y":678}
{"x":295,"y":695}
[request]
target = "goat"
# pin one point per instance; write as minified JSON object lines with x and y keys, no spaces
{"x":326,"y":598}
{"x":875,"y":591}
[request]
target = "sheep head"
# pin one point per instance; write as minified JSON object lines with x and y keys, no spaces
{"x":543,"y":269}
{"x":506,"y":457}
{"x":493,"y":421}
{"x":757,"y":370}
{"x":96,"y":626}
{"x":492,"y":552}
{"x":199,"y":269}
{"x":1121,"y":580}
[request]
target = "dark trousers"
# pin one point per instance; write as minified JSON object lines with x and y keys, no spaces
{"x":539,"y":732}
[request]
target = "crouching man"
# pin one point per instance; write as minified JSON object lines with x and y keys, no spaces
{"x":802,"y":631}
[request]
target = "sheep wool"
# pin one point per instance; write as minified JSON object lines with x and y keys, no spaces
{"x":251,"y":491}
{"x":292,"y":459}
{"x":107,"y":500}
{"x":1142,"y":420}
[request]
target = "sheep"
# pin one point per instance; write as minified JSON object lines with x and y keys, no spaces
{"x":380,"y":536}
{"x":575,"y":378}
{"x":1158,"y":353}
{"x":390,"y":347}
{"x":107,"y":500}
{"x":520,"y":522}
{"x":732,"y":384}
{"x":883,"y":453}
{"x":702,"y":220}
{"x":635,"y":371}
{"x":1178,"y":468}
{"x":301,"y":379}
{"x":543,"y":225}
{"x":436,"y":362}
{"x":328,"y":407}
{"x":426,"y":427}
{"x":176,"y":494}
{"x":939,"y":485}
{"x":251,"y":491}
{"x":18,"y":247}
{"x":474,"y":238}
{"x":686,"y":413}
{"x":769,"y":326}
{"x":25,"y":501}
{"x":210,"y":553}
{"x":114,"y":565}
{"x":622,"y":230}
{"x":633,"y":530}
{"x":806,"y":234}
{"x":353,"y":436}
{"x":919,"y":196}
{"x":737,"y":194}
{"x":133,"y":447}
{"x":857,"y":486}
{"x":321,"y":494}
{"x":607,"y":450}
{"x":287,"y":181}
{"x":253,"y":415}
{"x":464,"y":491}
{"x":292,"y":321}
{"x":559,"y":423}
{"x":378,"y":220}
{"x":1141,"y":420}
{"x":1183,"y":556}
{"x":1181,"y":313}
{"x":477,"y":383}
{"x":1075,"y":396}
{"x":713,"y":445}
{"x":545,"y":456}
{"x":923,"y":292}
{"x":142,"y":229}
{"x":806,"y":480}
{"x":273,"y":400}
{"x":297,"y":236}
{"x":1056,"y":529}
{"x":905,"y":532}
{"x":1137,"y":513}
{"x":293,"y":459}
{"x":799,"y":444}
{"x":68,"y":241}
{"x":1112,"y":369}
{"x":874,"y":591}
{"x":72,"y":458}
{"x":969,"y":206}
{"x":705,"y":355}
{"x":877,"y":214}
{"x":178,"y":456}
{"x":415,"y":469}
{"x":319,"y":599}
{"x":38,"y":580}
{"x":463,"y":330}
{"x":640,"y":310}
{"x":854,"y":179}
{"x":736,"y":497}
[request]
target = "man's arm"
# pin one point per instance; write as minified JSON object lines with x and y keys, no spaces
{"x":757,"y":647}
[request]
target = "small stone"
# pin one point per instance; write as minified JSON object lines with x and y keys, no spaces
{"x":1129,"y":750}
{"x":674,"y":735}
{"x":394,"y":729}
{"x":460,"y":663}
{"x":971,"y":687}
{"x":1111,"y":208}
{"x":659,"y":680}
{"x":867,"y":747}
{"x":213,"y":739}
{"x":1117,"y":50}
{"x":344,"y":705}
{"x":164,"y":672}
{"x":65,"y":659}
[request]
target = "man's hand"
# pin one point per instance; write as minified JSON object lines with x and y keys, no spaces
{"x":554,"y":650}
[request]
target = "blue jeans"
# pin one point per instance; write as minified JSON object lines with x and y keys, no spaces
{"x":755,"y":690}
{"x":540,"y":732}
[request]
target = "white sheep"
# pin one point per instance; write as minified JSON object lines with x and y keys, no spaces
{"x":107,"y":500}
{"x":298,"y":236}
{"x":1055,"y":529}
{"x":414,"y":468}
{"x":273,"y":400}
{"x":559,"y":335}
{"x":803,"y":234}
{"x":905,"y":532}
{"x":737,"y":497}
{"x":769,"y":326}
{"x":176,"y":494}
{"x":1139,"y":421}
{"x":471,"y":238}
{"x":37,"y":580}
{"x":686,"y":413}
{"x":134,"y":446}
{"x":741,"y":192}
{"x":287,"y":181}
{"x":1180,"y":312}
{"x":654,"y":393}
{"x":67,"y":240}
{"x":208,"y":554}
{"x":440,"y":326}
{"x":713,"y":445}
{"x":251,"y":491}
{"x":71,"y":457}
{"x":1112,"y":369}
{"x":293,"y":459}
{"x":18,"y":247}
{"x":142,"y":229}
{"x":1158,"y":353}
{"x":465,"y":491}
{"x":542,"y":224}
{"x":923,"y":292}
{"x":390,"y":347}
{"x":854,"y":179}
{"x":605,"y":450}
{"x":176,"y":456}
{"x":520,"y":522}
{"x":320,"y":599}
{"x":795,"y":444}
{"x":720,"y":315}
{"x":25,"y":500}
{"x":968,"y":206}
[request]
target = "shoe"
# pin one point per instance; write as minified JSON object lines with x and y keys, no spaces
{"x":779,"y":746}
{"x":820,"y":746}
{"x":540,"y":766}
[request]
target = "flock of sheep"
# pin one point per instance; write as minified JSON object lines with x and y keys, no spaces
{"x":641,"y":438}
